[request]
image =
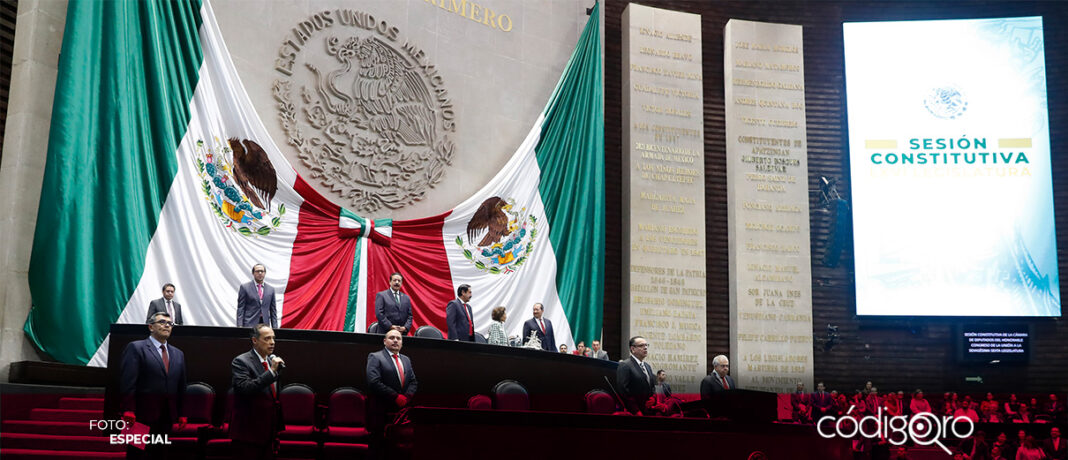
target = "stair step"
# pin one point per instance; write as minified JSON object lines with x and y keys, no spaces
{"x":96,"y":404}
{"x":65,"y":415}
{"x":32,"y":454}
{"x":58,"y":442}
{"x":52,"y":428}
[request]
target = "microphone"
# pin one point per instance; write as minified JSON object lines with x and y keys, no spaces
{"x":281,"y":364}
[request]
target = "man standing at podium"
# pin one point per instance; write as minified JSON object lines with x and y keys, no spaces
{"x":542,"y":328}
{"x":635,"y":379}
{"x":458,"y":315}
{"x":393,"y":308}
{"x":719,"y":380}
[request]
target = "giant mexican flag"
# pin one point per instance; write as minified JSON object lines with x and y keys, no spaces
{"x":160,"y":171}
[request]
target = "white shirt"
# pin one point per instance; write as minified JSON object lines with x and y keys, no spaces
{"x":264,"y":360}
{"x":157,"y":344}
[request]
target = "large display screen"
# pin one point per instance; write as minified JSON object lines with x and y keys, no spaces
{"x":950,"y":168}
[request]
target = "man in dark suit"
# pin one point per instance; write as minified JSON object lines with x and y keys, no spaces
{"x":152,"y":385}
{"x":635,"y":380}
{"x":822,"y":402}
{"x":391,"y":382}
{"x":166,"y":304}
{"x":255,"y":301}
{"x":257,"y":416}
{"x":542,"y":327}
{"x":459,"y":317}
{"x":1055,"y":447}
{"x":719,"y":380}
{"x":393,"y":308}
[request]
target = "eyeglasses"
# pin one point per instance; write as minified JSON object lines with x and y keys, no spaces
{"x":644,"y":345}
{"x":164,"y":322}
{"x":259,"y":271}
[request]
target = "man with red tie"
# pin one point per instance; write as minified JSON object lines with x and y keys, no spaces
{"x":152,"y":385}
{"x":391,"y":382}
{"x":255,"y":301}
{"x":719,"y":380}
{"x":257,"y":415}
{"x":459,"y":316}
{"x":542,"y":328}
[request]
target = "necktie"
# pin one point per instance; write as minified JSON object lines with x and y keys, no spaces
{"x":166,"y":359}
{"x":396,"y":295}
{"x":470,"y":324}
{"x":400,"y":369}
{"x":170,"y":310}
{"x":725,"y":386}
{"x":259,"y":289}
{"x":268,"y":368}
{"x":542,"y":326}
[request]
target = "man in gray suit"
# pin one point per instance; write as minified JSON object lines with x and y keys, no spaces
{"x":393,"y":308}
{"x":255,"y":301}
{"x":166,"y":304}
{"x":597,"y":352}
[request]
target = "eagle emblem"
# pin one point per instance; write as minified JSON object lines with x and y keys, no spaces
{"x":239,"y":183}
{"x":499,"y":237}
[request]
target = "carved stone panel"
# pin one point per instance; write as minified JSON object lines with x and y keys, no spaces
{"x":368,"y":113}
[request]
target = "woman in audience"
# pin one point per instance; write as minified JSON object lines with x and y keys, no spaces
{"x":1030,"y":450}
{"x":1011,"y":406}
{"x":919,"y":405}
{"x":989,"y":402}
{"x":496,"y":329}
{"x":1023,"y":415}
{"x":892,"y":405}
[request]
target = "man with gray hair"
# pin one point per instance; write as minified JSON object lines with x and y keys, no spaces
{"x":719,"y":380}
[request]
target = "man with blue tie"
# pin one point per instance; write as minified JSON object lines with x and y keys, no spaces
{"x":542,"y":328}
{"x":255,"y":301}
{"x":459,"y":317}
{"x":393,"y":309}
{"x":152,"y":384}
{"x":391,"y":383}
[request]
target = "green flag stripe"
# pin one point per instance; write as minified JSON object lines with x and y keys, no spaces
{"x":127,"y":73}
{"x":571,"y":158}
{"x":354,"y":279}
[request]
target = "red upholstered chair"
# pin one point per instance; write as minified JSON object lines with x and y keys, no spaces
{"x":298,"y":439}
{"x":346,"y":434}
{"x":600,"y":402}
{"x":217,"y":439}
{"x":480,"y":402}
{"x":345,"y":417}
{"x":510,"y":395}
{"x":197,"y":409}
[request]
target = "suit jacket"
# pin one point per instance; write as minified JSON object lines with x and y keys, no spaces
{"x":389,"y":313}
{"x":635,"y":386}
{"x":822,"y":401}
{"x":1060,"y":453}
{"x":383,"y":384}
{"x":151,"y":393}
{"x":600,"y":354}
{"x":456,"y":317}
{"x":711,"y":384}
{"x":160,"y":306}
{"x":257,"y":414}
{"x":548,"y":340}
{"x":252,"y":310}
